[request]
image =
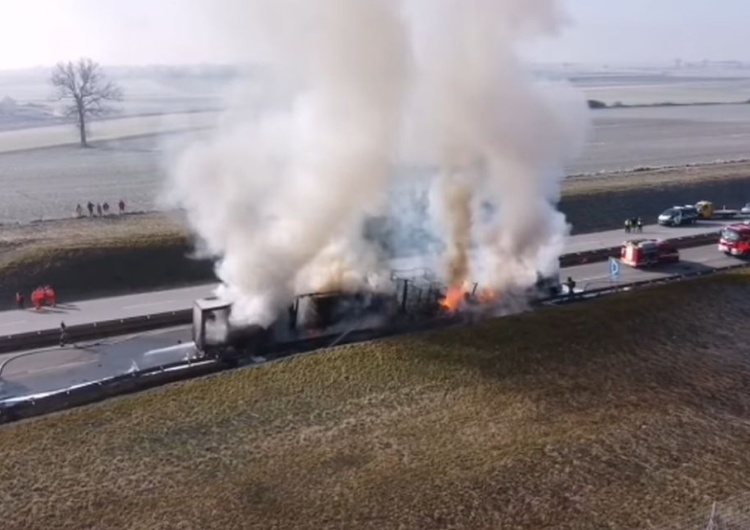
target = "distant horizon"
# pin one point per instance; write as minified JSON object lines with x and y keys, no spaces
{"x":685,"y":64}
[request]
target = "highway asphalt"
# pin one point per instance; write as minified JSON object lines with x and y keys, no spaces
{"x":51,"y":369}
{"x":89,"y":311}
{"x":58,"y":368}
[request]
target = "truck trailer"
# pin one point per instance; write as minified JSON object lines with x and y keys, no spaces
{"x":318,"y":320}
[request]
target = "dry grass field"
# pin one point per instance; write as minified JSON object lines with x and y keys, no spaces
{"x":622,"y":413}
{"x":701,"y":174}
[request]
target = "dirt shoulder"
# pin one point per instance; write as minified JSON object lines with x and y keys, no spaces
{"x":620,"y":413}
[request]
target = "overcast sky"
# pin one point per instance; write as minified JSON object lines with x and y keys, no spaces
{"x":42,"y":32}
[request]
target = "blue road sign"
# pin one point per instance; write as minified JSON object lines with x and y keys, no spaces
{"x":614,"y":268}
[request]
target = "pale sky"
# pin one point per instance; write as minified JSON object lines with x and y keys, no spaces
{"x":42,"y":32}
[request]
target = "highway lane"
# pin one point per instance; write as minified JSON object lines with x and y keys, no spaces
{"x":596,"y":275}
{"x":58,"y":368}
{"x":52,"y":369}
{"x":612,"y":238}
{"x":74,"y":313}
{"x":86,"y":312}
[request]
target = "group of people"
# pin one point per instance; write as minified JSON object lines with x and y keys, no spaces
{"x":99,"y":209}
{"x":633,"y":225}
{"x":40,"y":296}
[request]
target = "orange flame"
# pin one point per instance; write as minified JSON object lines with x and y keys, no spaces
{"x":453,"y":299}
{"x":487,"y":296}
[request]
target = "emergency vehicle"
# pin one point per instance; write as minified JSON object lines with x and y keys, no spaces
{"x":648,"y":252}
{"x":735,"y":240}
{"x":678,"y":216}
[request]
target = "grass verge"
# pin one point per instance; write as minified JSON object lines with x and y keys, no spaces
{"x":621,"y":413}
{"x":88,"y":258}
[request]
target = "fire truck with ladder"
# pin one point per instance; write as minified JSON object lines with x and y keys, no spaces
{"x":735,"y":240}
{"x":648,"y":252}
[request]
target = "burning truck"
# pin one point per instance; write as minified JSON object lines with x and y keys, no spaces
{"x":319,"y":320}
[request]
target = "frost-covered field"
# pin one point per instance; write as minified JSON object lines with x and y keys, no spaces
{"x":29,"y":98}
{"x":653,"y":85}
{"x":48,"y":183}
{"x":130,"y":155}
{"x":629,"y":138}
{"x":104,"y":130}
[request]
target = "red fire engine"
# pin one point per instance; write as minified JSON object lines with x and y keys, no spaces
{"x":647,"y":252}
{"x":735,"y":240}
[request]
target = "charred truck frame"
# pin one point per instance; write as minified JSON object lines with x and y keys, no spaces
{"x":319,"y":320}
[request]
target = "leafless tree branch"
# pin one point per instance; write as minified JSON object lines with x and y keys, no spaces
{"x":86,"y":91}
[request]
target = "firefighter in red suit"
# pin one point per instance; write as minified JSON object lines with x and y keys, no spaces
{"x":37,"y":298}
{"x":49,"y":295}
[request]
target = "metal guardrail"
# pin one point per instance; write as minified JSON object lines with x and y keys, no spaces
{"x":630,"y":286}
{"x":95,"y":330}
{"x":603,"y":254}
{"x":115,"y":386}
{"x":109,"y":328}
{"x":153,"y":377}
{"x":189,"y":369}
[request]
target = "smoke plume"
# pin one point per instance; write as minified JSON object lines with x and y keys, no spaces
{"x":280,"y":198}
{"x":451,"y":209}
{"x":272,"y":195}
{"x":501,"y":137}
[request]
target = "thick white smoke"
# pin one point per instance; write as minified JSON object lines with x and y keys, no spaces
{"x":280,"y":198}
{"x":502,"y":138}
{"x":273,"y":195}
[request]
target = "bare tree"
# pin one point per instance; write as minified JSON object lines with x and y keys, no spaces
{"x":83,"y":86}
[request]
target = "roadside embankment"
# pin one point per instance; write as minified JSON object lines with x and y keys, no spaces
{"x":85,"y":258}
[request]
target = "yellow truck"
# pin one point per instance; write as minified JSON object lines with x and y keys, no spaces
{"x":706,"y":210}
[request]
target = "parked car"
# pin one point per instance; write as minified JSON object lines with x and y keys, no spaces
{"x":678,"y":216}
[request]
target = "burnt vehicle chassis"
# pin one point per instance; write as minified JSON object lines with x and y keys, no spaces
{"x":320,"y":320}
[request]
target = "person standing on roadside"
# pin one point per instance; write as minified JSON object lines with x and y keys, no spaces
{"x":627,"y":226}
{"x":79,"y":211}
{"x":639,"y":225}
{"x":49,"y":295}
{"x":121,"y":204}
{"x":37,"y":298}
{"x":63,"y":334}
{"x":90,"y":206}
{"x":19,"y":300}
{"x":99,"y":209}
{"x":570,"y":283}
